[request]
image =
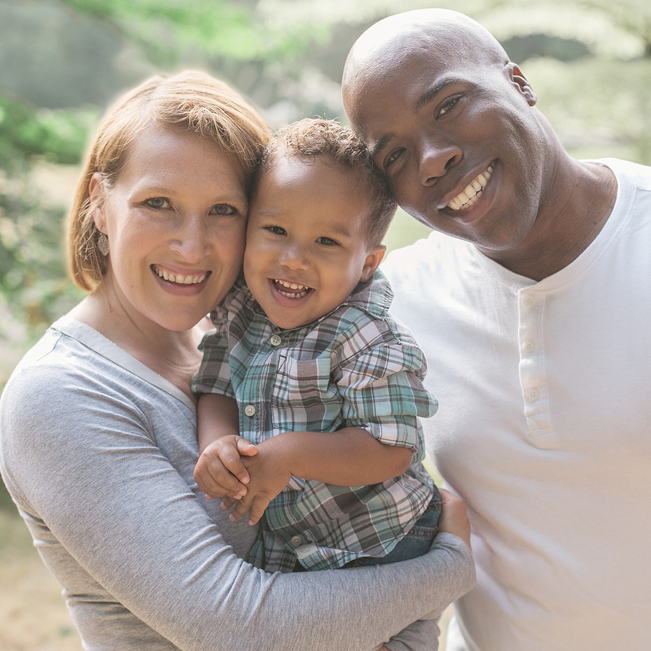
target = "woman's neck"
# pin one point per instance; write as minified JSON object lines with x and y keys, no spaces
{"x":172,"y":354}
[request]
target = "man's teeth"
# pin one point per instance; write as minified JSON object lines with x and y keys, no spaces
{"x":180,"y":278}
{"x":298,"y":291}
{"x":470,"y":195}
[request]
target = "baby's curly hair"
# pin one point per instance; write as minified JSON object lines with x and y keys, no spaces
{"x":313,"y":137}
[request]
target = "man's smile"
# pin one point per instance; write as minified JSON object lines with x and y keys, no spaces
{"x":472,"y":191}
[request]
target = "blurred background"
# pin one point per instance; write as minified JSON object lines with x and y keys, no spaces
{"x":63,"y":61}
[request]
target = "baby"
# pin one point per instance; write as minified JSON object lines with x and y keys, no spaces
{"x":309,"y":392}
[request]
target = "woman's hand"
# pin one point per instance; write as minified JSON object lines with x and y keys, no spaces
{"x":454,"y":518}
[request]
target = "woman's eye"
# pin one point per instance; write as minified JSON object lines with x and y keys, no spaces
{"x":157,"y":203}
{"x":328,"y":241}
{"x":276,"y":230}
{"x":224,"y":209}
{"x":448,"y":106}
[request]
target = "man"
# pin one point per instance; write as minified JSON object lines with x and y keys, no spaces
{"x":535,"y":319}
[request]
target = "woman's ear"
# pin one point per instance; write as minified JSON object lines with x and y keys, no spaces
{"x":372,"y":262}
{"x":97,"y":196}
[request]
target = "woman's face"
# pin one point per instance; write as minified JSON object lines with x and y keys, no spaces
{"x":176,"y":222}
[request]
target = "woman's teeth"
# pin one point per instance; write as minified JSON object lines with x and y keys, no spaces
{"x":297,"y":291}
{"x":180,"y":279}
{"x":471,"y":194}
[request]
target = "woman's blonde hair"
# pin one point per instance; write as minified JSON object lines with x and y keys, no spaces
{"x":190,"y":100}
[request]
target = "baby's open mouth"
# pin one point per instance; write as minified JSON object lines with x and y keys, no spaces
{"x":291,"y":290}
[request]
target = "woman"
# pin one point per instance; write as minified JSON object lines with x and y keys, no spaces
{"x":98,"y":423}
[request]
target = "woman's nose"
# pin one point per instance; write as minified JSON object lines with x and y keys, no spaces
{"x":191,"y":241}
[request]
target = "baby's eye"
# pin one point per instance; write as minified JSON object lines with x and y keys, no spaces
{"x":157,"y":203}
{"x":276,"y":230}
{"x":328,"y":241}
{"x":224,"y":209}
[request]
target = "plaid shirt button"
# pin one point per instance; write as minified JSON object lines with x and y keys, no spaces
{"x":275,"y":340}
{"x":249,"y":410}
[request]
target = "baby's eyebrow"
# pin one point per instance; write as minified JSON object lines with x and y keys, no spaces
{"x":340,"y":229}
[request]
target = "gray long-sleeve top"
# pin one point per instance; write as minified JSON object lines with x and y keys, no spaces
{"x":98,"y":451}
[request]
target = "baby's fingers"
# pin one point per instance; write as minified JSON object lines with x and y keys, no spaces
{"x":227,"y":502}
{"x":215,"y":480}
{"x":258,"y":508}
{"x":230,"y":458}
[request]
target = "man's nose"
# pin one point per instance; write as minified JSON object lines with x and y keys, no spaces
{"x":436,"y":158}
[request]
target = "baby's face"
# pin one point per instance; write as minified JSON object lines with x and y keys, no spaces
{"x":307,"y":246}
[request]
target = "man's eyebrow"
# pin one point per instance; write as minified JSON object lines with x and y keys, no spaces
{"x":434,"y":90}
{"x":380,"y":144}
{"x":428,"y":96}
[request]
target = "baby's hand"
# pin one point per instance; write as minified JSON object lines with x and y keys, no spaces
{"x":269,"y":475}
{"x":220,"y":471}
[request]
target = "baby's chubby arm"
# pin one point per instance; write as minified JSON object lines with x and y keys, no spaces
{"x":219,"y":471}
{"x":348,"y":457}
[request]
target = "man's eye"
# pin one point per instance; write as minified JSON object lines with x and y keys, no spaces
{"x":157,"y":203}
{"x":276,"y":230}
{"x":393,"y":157}
{"x":448,"y":106}
{"x":224,"y":209}
{"x":328,"y":241}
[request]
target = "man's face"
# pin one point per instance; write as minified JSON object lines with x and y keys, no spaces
{"x":458,"y":141}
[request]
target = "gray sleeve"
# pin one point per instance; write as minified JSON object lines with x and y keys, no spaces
{"x":422,"y":635}
{"x":86,"y":464}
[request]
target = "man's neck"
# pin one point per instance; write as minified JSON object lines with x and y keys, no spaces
{"x":576,"y":207}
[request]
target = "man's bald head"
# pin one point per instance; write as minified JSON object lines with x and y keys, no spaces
{"x":452,"y":124}
{"x":382,"y":50}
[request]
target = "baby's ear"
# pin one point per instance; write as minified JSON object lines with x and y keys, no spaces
{"x":372,"y":262}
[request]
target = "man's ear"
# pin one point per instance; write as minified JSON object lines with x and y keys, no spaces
{"x":522,"y":83}
{"x":97,"y":196}
{"x":372,"y":262}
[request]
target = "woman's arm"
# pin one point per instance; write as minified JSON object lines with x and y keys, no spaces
{"x":86,"y":463}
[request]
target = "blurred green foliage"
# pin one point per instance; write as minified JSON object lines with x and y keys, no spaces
{"x":32,"y":267}
{"x":588,"y":60}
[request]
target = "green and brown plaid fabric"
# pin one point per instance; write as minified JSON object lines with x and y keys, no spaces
{"x":354,"y":367}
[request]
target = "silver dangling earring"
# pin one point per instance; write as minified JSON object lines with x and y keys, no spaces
{"x":103,"y":244}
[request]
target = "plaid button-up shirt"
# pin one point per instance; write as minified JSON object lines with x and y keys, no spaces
{"x":353,"y":367}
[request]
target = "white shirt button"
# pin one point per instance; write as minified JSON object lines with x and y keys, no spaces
{"x":275,"y":340}
{"x":529,"y":300}
{"x":528,"y":346}
{"x":249,"y":410}
{"x":531,"y":395}
{"x":296,"y":541}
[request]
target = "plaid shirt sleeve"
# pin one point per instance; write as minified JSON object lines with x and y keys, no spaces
{"x":381,"y":385}
{"x":214,"y":374}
